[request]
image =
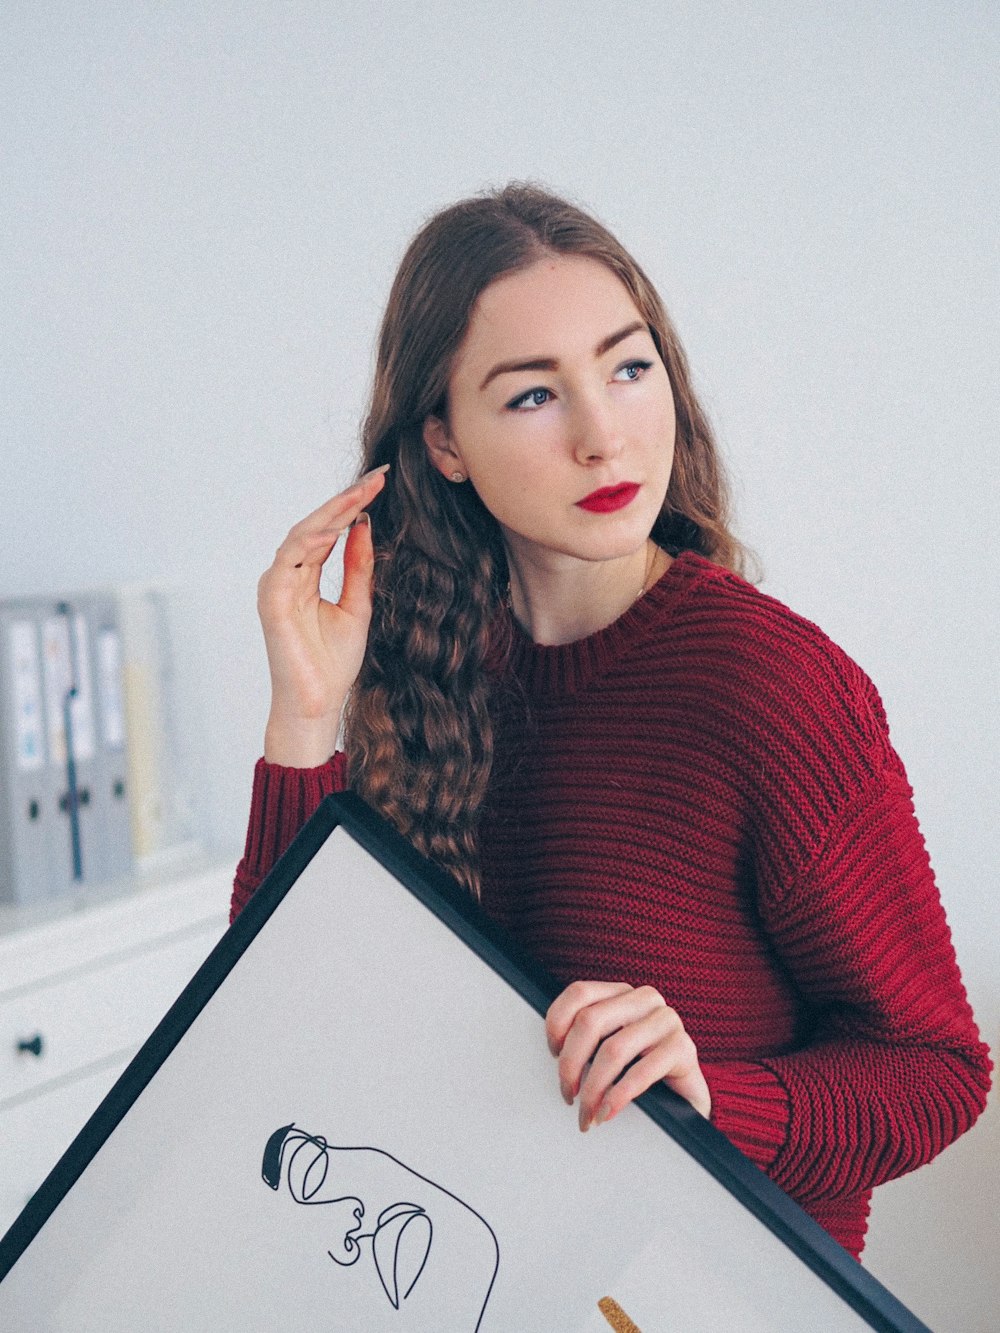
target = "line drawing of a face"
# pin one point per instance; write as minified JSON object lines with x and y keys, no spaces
{"x":371,"y":1199}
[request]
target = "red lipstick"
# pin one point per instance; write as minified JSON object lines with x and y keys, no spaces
{"x":610,"y":498}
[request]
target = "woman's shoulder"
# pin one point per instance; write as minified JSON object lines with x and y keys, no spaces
{"x":778,"y":667}
{"x":747,"y":626}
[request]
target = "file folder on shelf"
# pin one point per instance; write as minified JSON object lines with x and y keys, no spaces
{"x":69,"y":714}
{"x":64,"y":820}
{"x":29,"y":829}
{"x":113,"y":851}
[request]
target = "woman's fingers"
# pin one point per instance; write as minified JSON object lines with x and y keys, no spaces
{"x":298,"y":562}
{"x":634,"y":1059}
{"x":359,"y":566}
{"x":341,"y":510}
{"x":618,"y":1051}
{"x":594,"y":1024}
{"x":573,"y":1000}
{"x":614,"y":1042}
{"x":315,"y":647}
{"x":312,"y":539}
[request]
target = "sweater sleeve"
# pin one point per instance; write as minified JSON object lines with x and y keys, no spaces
{"x":282,"y":801}
{"x":894,"y":1069}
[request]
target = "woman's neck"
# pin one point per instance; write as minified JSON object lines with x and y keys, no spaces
{"x":565,"y":601}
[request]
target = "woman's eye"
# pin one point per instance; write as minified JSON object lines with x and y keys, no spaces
{"x":633,"y":370}
{"x":533,"y":398}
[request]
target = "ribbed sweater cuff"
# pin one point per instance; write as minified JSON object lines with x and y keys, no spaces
{"x":282,"y":801}
{"x":751,"y":1107}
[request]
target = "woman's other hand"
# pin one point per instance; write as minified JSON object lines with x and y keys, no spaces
{"x":608,"y":1025}
{"x":315,"y":648}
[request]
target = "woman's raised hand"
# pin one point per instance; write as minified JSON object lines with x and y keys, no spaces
{"x":630,"y":1038}
{"x":315,"y":648}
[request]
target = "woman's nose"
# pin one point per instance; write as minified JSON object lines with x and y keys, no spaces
{"x":597,"y":434}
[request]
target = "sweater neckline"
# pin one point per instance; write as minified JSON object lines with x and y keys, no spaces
{"x":566,"y":668}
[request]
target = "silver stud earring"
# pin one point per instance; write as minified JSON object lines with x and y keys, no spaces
{"x":458,"y":476}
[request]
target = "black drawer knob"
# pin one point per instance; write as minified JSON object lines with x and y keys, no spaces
{"x":34,"y":1045}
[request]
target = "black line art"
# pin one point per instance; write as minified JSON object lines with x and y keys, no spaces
{"x":402,"y":1236}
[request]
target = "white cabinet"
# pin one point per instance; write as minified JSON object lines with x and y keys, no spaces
{"x":78,"y":997}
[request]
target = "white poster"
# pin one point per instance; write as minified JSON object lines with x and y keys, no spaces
{"x":351,"y":1120}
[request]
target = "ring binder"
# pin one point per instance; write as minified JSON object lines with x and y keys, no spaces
{"x":64,"y":817}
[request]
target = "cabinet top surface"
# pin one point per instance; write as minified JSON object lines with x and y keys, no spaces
{"x":34,"y":947}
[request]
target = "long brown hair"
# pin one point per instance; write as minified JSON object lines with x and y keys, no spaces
{"x":418,"y":733}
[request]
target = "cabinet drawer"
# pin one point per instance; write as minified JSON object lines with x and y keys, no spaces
{"x":89,"y":1016}
{"x":35,"y":1133}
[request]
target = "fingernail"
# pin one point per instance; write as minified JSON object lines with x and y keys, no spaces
{"x":373,"y":473}
{"x":603,"y":1114}
{"x":364,"y":518}
{"x":584,"y":1122}
{"x":567,"y":1096}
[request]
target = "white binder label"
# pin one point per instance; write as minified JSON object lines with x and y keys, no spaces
{"x":58,"y":674}
{"x":55,"y":646}
{"x":109,"y":677}
{"x":26,"y":678}
{"x":84,"y":730}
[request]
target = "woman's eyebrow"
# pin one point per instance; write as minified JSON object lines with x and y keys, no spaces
{"x":551,"y":363}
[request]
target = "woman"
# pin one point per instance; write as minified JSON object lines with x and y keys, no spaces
{"x":552,"y":678}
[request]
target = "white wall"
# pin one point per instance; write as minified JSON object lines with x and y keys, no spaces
{"x":204,"y":205}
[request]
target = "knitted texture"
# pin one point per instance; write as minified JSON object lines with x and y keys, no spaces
{"x":703,"y":797}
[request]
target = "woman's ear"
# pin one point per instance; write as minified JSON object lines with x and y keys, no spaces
{"x":440,"y":449}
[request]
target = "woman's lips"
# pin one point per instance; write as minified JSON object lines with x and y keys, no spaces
{"x":610,"y":498}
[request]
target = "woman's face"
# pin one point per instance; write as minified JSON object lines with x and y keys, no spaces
{"x":558,"y":393}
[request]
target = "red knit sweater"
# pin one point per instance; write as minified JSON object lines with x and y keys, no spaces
{"x":703,"y":797}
